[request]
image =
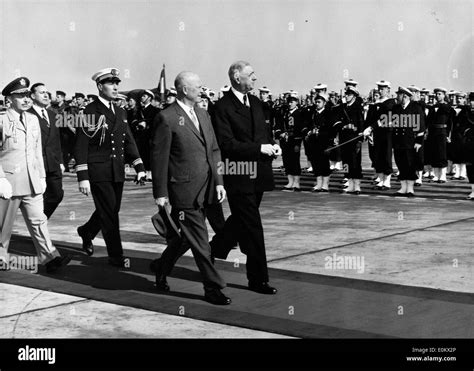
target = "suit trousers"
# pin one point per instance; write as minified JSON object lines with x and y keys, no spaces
{"x":194,"y":236}
{"x":246,"y":224}
{"x":31,"y":207}
{"x":107,"y":199}
{"x":54,"y":192}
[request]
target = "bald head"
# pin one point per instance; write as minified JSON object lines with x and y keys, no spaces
{"x":188,"y":87}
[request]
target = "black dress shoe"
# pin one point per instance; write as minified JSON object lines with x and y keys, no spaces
{"x":118,"y":261}
{"x":161,"y":283}
{"x":87,"y":245}
{"x":58,"y":262}
{"x":296,"y":189}
{"x":410,"y":194}
{"x":216,"y":297}
{"x":262,"y":288}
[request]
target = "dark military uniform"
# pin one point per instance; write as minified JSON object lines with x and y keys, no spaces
{"x":439,"y":125}
{"x":291,"y":124}
{"x":320,"y":137}
{"x":467,"y":123}
{"x":349,"y":123}
{"x":144,"y":135}
{"x":100,"y":153}
{"x":383,"y":138}
{"x":409,"y":130}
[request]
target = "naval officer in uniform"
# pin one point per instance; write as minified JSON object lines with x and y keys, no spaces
{"x":101,"y":146}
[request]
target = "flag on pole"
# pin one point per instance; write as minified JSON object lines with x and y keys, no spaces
{"x":162,"y":84}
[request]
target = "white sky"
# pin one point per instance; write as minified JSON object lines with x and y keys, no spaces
{"x":292,"y":44}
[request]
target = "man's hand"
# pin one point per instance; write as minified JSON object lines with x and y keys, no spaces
{"x":141,"y":177}
{"x":367,"y":131}
{"x":448,"y":140}
{"x":43,"y":184}
{"x":141,"y":125}
{"x":5,"y":189}
{"x":161,"y":202}
{"x":267,"y":149}
{"x":417,"y":147}
{"x":276,"y":150}
{"x":62,"y":167}
{"x":85,"y":187}
{"x":220,"y":193}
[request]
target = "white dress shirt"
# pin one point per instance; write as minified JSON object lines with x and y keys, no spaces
{"x":240,"y":97}
{"x":188,"y":109}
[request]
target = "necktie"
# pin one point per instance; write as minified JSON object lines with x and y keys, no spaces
{"x":246,"y":101}
{"x":194,"y":119}
{"x":21,"y":119}
{"x":44,"y":116}
{"x":111,"y":106}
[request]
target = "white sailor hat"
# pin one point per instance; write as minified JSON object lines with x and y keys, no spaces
{"x":148,"y":92}
{"x":107,"y":74}
{"x":443,"y":90}
{"x":320,"y":86}
{"x":425,"y":91}
{"x":352,"y":90}
{"x":452,"y":92}
{"x":414,"y":88}
{"x":293,"y":95}
{"x":402,"y":90}
{"x":322,"y":96}
{"x":350,"y":82}
{"x":461,"y":94}
{"x":121,"y":96}
{"x":264,"y":89}
{"x":383,"y":84}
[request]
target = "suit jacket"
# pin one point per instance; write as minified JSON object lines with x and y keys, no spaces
{"x":240,"y":133}
{"x":184,"y":160}
{"x":100,"y":154}
{"x":21,"y":159}
{"x":50,"y":141}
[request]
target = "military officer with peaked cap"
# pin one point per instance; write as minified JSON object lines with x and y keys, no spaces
{"x":22,"y":176}
{"x":101,"y":147}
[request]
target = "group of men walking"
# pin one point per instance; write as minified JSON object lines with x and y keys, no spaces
{"x":187,"y":148}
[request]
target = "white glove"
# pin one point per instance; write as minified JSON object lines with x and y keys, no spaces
{"x":276,"y":150}
{"x":5,"y":189}
{"x":161,"y":202}
{"x":142,"y":124}
{"x":417,"y":147}
{"x":267,"y":149}
{"x":61,"y":166}
{"x":85,"y":187}
{"x":367,"y":131}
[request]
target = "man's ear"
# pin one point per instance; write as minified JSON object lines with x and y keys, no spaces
{"x":237,"y":76}
{"x":99,"y":86}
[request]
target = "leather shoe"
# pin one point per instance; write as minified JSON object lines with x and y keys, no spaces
{"x":161,"y":283}
{"x":216,"y":297}
{"x":118,"y":261}
{"x":155,"y":265}
{"x":87,"y":245}
{"x":262,"y":288}
{"x":58,"y":262}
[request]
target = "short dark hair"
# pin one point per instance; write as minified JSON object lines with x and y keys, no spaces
{"x":34,"y":86}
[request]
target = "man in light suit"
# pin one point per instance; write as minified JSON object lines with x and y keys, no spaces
{"x":22,"y":176}
{"x":245,"y":137}
{"x":51,"y":144}
{"x":184,"y":164}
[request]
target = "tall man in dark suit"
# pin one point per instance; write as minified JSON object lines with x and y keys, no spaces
{"x":102,"y":143}
{"x":185,"y":157}
{"x":51,"y":144}
{"x":245,"y":138}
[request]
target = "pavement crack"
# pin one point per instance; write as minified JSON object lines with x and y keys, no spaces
{"x":367,"y":240}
